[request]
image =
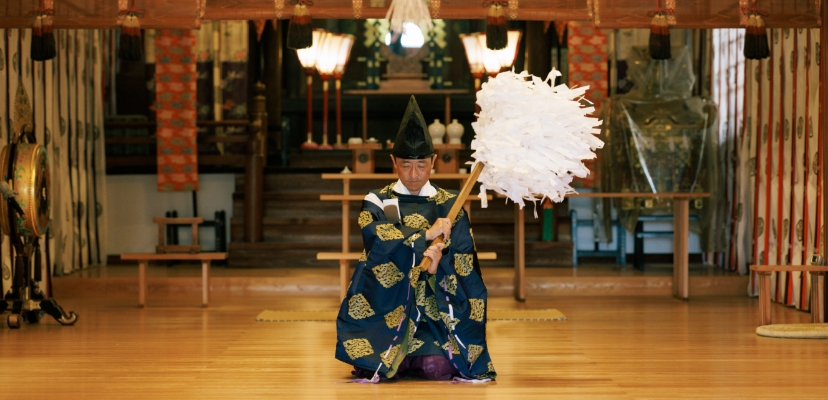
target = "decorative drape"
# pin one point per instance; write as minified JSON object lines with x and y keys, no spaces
{"x":175,"y":110}
{"x":777,"y":217}
{"x":588,"y":67}
{"x":67,"y":101}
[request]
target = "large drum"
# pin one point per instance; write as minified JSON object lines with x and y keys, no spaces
{"x":29,"y":177}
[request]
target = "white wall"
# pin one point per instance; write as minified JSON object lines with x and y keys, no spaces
{"x":133,"y":200}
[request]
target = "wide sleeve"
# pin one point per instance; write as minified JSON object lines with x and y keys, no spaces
{"x":381,"y":237}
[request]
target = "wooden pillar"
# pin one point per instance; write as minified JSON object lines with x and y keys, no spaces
{"x":538,"y":48}
{"x":520,"y":255}
{"x":272,"y":49}
{"x":254,"y":169}
{"x":823,"y":66}
{"x":681,"y":217}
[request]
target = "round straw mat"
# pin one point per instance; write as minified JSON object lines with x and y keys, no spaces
{"x":794,"y":331}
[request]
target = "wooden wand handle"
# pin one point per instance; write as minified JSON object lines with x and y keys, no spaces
{"x":461,"y":199}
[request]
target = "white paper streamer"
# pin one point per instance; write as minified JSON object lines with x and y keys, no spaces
{"x":532,"y":136}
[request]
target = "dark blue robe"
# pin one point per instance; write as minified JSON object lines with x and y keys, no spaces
{"x":393,"y":310}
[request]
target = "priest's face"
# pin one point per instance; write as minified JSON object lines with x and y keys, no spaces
{"x":414,"y":173}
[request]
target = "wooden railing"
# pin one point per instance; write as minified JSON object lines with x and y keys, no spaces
{"x":233,"y":160}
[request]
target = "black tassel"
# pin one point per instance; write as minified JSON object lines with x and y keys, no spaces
{"x":757,"y":46}
{"x":43,"y":39}
{"x":49,"y":46}
{"x":497,"y":36}
{"x":659,"y":38}
{"x":300,"y":32}
{"x":37,"y":39}
{"x":131,"y":44}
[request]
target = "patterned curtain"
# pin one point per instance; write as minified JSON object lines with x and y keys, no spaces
{"x":777,"y":216}
{"x":727,"y":91}
{"x":67,"y":101}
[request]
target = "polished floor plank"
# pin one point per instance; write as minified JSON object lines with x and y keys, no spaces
{"x":610,"y":347}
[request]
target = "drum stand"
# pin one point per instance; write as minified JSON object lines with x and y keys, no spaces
{"x":26,"y":300}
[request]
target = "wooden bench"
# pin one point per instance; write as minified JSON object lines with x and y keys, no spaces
{"x":817,"y":289}
{"x":144,"y":258}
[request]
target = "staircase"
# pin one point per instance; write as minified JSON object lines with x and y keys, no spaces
{"x":297,"y":225}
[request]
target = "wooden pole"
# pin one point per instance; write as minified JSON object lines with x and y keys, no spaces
{"x":458,"y":204}
{"x":520,"y":254}
{"x":823,"y":73}
{"x":254,"y":169}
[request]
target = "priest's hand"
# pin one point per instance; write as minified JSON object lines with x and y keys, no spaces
{"x":441,"y":227}
{"x":435,"y":251}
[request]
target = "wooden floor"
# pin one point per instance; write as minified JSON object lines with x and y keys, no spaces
{"x":610,"y":347}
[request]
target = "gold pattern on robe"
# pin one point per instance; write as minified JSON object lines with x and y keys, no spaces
{"x":393,"y":318}
{"x":358,"y":307}
{"x":416,"y":221}
{"x":447,"y":243}
{"x":474,"y":245}
{"x":463,"y":264}
{"x":364,"y":256}
{"x":460,"y":215}
{"x":389,"y":191}
{"x":478,"y":307}
{"x":414,"y":344}
{"x":388,"y":232}
{"x":389,"y":355}
{"x":442,"y":196}
{"x":454,"y":348}
{"x":412,"y":239}
{"x":357,"y":348}
{"x":449,"y":283}
{"x":414,"y":275}
{"x":450,"y":322}
{"x":365,"y":218}
{"x":491,"y":367}
{"x":388,"y":274}
{"x":419,"y":293}
{"x":431,"y":308}
{"x":474,"y":352}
